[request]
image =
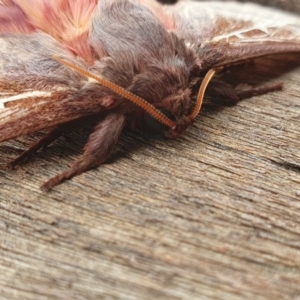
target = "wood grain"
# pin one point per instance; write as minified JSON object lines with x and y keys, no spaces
{"x":214,"y":214}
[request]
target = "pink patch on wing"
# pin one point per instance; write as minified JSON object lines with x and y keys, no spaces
{"x":13,"y":20}
{"x":68,"y":21}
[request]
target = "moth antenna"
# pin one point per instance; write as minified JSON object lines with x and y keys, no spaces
{"x":146,"y":106}
{"x":209,"y":75}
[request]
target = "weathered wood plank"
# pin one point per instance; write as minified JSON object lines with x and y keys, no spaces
{"x":214,"y":214}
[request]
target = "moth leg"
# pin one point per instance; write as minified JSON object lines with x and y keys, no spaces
{"x":240,"y":92}
{"x":96,"y":150}
{"x":50,"y":137}
{"x":43,"y":142}
{"x":248,"y":91}
{"x":221,"y":88}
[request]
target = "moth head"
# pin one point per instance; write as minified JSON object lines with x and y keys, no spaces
{"x":165,"y":82}
{"x":174,"y":119}
{"x":166,"y":87}
{"x":179,"y":109}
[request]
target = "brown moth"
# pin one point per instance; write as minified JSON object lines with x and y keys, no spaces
{"x":119,"y":61}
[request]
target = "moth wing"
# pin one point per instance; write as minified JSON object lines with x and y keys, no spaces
{"x":226,"y":33}
{"x":36,"y":91}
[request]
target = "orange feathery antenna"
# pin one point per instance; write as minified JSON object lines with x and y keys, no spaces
{"x":209,"y":75}
{"x":146,"y":106}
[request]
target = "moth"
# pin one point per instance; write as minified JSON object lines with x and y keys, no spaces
{"x":124,"y":63}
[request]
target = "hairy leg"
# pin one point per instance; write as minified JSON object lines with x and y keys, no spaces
{"x":43,"y":142}
{"x":248,"y":91}
{"x":50,"y":137}
{"x":240,"y":92}
{"x":96,"y":150}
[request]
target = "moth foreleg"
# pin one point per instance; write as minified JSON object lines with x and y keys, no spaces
{"x":248,"y":91}
{"x":223,"y":89}
{"x":50,"y":137}
{"x":96,"y":150}
{"x":243,"y":91}
{"x":43,"y":142}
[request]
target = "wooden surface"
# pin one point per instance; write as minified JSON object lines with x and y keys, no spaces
{"x":214,"y":214}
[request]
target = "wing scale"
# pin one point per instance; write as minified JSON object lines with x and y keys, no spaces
{"x":225,"y":33}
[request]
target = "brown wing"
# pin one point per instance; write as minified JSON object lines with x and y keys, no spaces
{"x":36,"y":91}
{"x":227,"y":32}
